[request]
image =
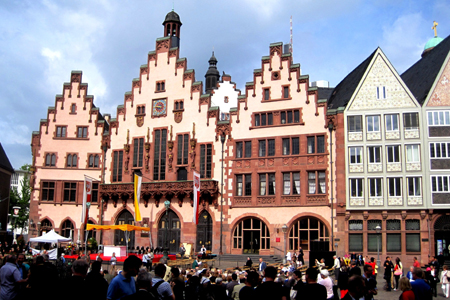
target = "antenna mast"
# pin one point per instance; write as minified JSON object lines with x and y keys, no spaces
{"x":290,"y":47}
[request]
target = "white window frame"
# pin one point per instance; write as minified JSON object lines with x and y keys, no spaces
{"x":378,"y":181}
{"x":357,"y":151}
{"x":440,"y":147}
{"x":368,"y":154}
{"x":414,"y":156}
{"x":405,"y":114}
{"x":396,"y":156}
{"x":442,"y":180}
{"x":353,"y":118}
{"x":416,"y":181}
{"x":359,"y":182}
{"x":397,"y":188}
{"x":438,"y":118}
{"x":373,"y":118}
{"x":381,"y":92}
{"x":390,"y":127}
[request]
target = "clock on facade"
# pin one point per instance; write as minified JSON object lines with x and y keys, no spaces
{"x":159,"y":107}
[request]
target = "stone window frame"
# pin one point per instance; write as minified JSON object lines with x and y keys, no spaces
{"x":361,"y":156}
{"x":267,"y":182}
{"x":415,"y":177}
{"x":160,"y":86}
{"x":357,"y":182}
{"x":62,"y":129}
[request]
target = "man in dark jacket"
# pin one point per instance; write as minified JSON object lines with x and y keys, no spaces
{"x":95,"y":282}
{"x":144,"y":285}
{"x":388,"y":267}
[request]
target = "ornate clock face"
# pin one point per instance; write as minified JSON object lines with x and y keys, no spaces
{"x":159,"y":107}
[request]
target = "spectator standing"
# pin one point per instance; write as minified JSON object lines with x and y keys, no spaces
{"x":247,"y":292}
{"x":370,"y":282}
{"x":9,"y":279}
{"x":300,"y":255}
{"x":409,"y":275}
{"x":232,"y":284}
{"x":416,"y":263}
{"x":269,"y":289}
{"x":312,"y":290}
{"x":237,"y":288}
{"x":113,"y":262}
{"x":398,"y":271}
{"x":262,"y":265}
{"x":336,"y":267}
{"x":76,"y":283}
{"x":178,"y":284}
{"x":162,"y":288}
{"x":405,"y":287}
{"x":144,"y":285}
{"x":445,"y":275}
{"x":96,"y":284}
{"x":343,"y":281}
{"x":388,"y":267}
{"x":354,"y":269}
{"x":124,"y":284}
{"x":421,"y":289}
{"x":326,"y":281}
{"x":433,"y":279}
{"x":249,"y":262}
{"x":356,"y":288}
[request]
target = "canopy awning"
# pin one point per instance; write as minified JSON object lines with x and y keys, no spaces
{"x":123,"y":227}
{"x":50,"y":237}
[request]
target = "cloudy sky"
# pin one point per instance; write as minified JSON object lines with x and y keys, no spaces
{"x":43,"y":40}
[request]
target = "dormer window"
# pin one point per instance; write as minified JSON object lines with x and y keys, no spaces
{"x":73,"y":108}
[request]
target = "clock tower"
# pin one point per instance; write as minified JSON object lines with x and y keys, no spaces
{"x":172,"y":26}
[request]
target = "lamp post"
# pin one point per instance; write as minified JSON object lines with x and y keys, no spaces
{"x":284,"y":228}
{"x":15,"y":216}
{"x":222,"y":140}
{"x":378,"y":230}
{"x":330,"y":128}
{"x":104,"y":148}
{"x":166,"y":246}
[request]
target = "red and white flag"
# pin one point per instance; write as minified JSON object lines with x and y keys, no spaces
{"x":196,"y":196}
{"x":86,"y":199}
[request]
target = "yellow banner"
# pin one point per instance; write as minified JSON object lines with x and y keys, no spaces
{"x":137,"y":196}
{"x":124,"y":227}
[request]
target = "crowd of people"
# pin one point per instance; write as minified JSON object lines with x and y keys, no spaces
{"x":83,"y":279}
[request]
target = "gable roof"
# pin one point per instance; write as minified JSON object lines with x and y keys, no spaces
{"x":344,"y":90}
{"x":324,"y":93}
{"x":4,"y":161}
{"x":420,"y":77}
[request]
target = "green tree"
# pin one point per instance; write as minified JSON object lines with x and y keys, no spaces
{"x":21,"y":199}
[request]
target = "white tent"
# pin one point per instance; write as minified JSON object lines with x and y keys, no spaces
{"x":50,"y":237}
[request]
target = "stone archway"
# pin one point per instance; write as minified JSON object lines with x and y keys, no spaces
{"x":169,"y":227}
{"x":120,"y":237}
{"x":442,"y":235}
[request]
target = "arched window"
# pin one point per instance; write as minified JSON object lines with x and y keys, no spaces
{"x":67,"y":229}
{"x":308,"y":233}
{"x":251,"y":235}
{"x":91,"y":161}
{"x":45,"y":226}
{"x":96,"y":161}
{"x":72,"y":160}
{"x":50,"y":160}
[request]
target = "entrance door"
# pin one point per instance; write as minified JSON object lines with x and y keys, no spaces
{"x":251,"y":241}
{"x":120,"y":237}
{"x":204,"y":231}
{"x":442,"y":236}
{"x":173,"y":232}
{"x":251,"y":235}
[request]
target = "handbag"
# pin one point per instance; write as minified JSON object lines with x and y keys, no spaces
{"x":398,"y":272}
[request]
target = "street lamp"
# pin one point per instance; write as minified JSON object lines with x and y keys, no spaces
{"x":284,"y":228}
{"x":222,"y":140}
{"x":378,"y":229}
{"x":166,"y":246}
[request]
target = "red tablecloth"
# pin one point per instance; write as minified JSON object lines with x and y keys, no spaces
{"x":122,"y":258}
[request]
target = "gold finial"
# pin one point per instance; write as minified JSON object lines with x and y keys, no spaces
{"x":193,"y":130}
{"x":128,"y":136}
{"x":171,"y":135}
{"x":435,"y":24}
{"x":148,"y":134}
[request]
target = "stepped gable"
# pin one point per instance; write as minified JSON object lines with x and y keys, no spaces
{"x":420,"y":77}
{"x":344,"y":90}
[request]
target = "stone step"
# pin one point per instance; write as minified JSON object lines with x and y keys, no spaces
{"x":241,"y":259}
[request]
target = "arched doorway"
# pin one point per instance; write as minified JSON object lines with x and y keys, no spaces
{"x":67,"y":229}
{"x":309,"y":233}
{"x":173,"y":231}
{"x":442,"y":236}
{"x":120,"y":237}
{"x":251,"y":235}
{"x":204,"y":231}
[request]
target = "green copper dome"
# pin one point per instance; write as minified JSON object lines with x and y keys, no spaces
{"x":433,"y":42}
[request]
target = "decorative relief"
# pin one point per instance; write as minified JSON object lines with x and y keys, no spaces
{"x":275,"y":49}
{"x":286,"y":161}
{"x":247,"y":164}
{"x":356,"y":168}
{"x":356,"y":201}
{"x":310,"y":160}
{"x":178,"y":116}
{"x":321,"y":159}
{"x":375,"y":168}
{"x":395,"y":200}
{"x":316,"y":199}
{"x":139,"y":121}
{"x":162,"y":44}
{"x":355,"y":136}
{"x":375,"y":201}
{"x":290,"y":200}
{"x":266,"y":201}
{"x":271,"y":162}
{"x":394,"y":167}
{"x":415,"y":200}
{"x":373,"y":136}
{"x":411,"y":134}
{"x":392,"y":135}
{"x":238,"y":164}
{"x":295,"y":161}
{"x":261,"y":162}
{"x":413,"y":166}
{"x":441,"y":94}
{"x":242,"y":201}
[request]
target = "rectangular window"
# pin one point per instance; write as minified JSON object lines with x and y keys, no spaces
{"x":290,"y":116}
{"x":138,"y":152}
{"x":355,"y":225}
{"x":263,"y":119}
{"x":295,"y":146}
{"x":266,"y":184}
{"x":381,"y":92}
{"x":316,"y":144}
{"x":374,"y":154}
{"x":239,"y":146}
{"x":392,"y":122}
{"x":248,"y":149}
{"x":374,"y":242}
{"x":48,"y":191}
{"x":205,"y":160}
{"x":373,"y":123}
{"x":355,"y":155}
{"x":271,"y":148}
{"x":412,"y":153}
{"x":159,"y":156}
{"x":94,"y":198}
{"x":262,"y":184}
{"x":393,"y":154}
{"x":316,"y":182}
{"x":70,"y":191}
{"x":61,"y":131}
{"x":239,"y":188}
{"x":395,"y":186}
{"x":266,"y":94}
{"x":160,"y":86}
{"x":414,"y":186}
{"x":182,"y":149}
{"x":286,"y":146}
{"x":262,"y":148}
{"x":375,"y":187}
{"x":117,"y":166}
{"x":439,"y":150}
{"x":356,"y":187}
{"x":440,"y":183}
{"x":291,"y":183}
{"x":248,"y":184}
{"x":439,"y":118}
{"x":413,"y":242}
{"x":320,"y":144}
{"x":393,"y":242}
{"x":355,"y":242}
{"x":354,"y":123}
{"x":311,"y":144}
{"x":82,"y":132}
{"x":285,"y":92}
{"x":411,"y":121}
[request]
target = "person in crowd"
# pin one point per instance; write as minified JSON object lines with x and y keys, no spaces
{"x":95,"y":282}
{"x":434,"y":262}
{"x":77,"y":280}
{"x":262,"y":265}
{"x":10,"y":279}
{"x":124,"y":283}
{"x":249,"y":262}
{"x":433,"y":279}
{"x":416,"y":263}
{"x":113,"y":262}
{"x":203,"y":251}
{"x":421,"y":289}
{"x":162,"y":288}
{"x":218,"y":290}
{"x":336,"y":267}
{"x":288,"y":257}
{"x":320,"y":264}
{"x":354,"y":269}
{"x":108,"y":277}
{"x":237,"y":288}
{"x":388,"y":267}
{"x":410,"y":274}
{"x":326,"y":281}
{"x":356,"y":288}
{"x":343,"y":281}
{"x":445,"y":278}
{"x":269,"y":289}
{"x":298,"y":283}
{"x":300,"y":255}
{"x":40,"y":274}
{"x":145,"y":259}
{"x":398,"y":271}
{"x":231,"y":284}
{"x":405,"y":287}
{"x":196,"y":263}
{"x":247,"y":292}
{"x":182,"y":250}
{"x":373,"y":263}
{"x":360,"y":259}
{"x":144,"y":285}
{"x":178,"y":284}
{"x":370,"y":282}
{"x":312,"y":290}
